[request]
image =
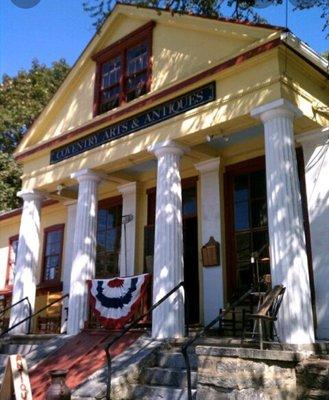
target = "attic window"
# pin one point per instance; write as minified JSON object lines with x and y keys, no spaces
{"x":123,"y":70}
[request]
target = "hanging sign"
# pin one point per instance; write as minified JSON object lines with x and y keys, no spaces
{"x":16,"y":382}
{"x":162,"y":112}
{"x":115,"y":301}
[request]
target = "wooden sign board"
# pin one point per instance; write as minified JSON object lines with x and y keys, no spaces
{"x":16,"y":382}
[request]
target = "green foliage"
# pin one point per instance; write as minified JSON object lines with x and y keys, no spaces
{"x":241,"y":9}
{"x":22,"y":98}
{"x":9,"y":182}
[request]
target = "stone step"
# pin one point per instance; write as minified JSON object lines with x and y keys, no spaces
{"x":146,"y":392}
{"x":32,"y":338}
{"x":315,"y":395}
{"x":166,"y":359}
{"x":22,"y":349}
{"x":168,"y":377}
{"x":313,"y":374}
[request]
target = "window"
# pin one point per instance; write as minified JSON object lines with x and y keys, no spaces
{"x":123,"y":70}
{"x":108,"y":237}
{"x":13,"y":246}
{"x":52,"y":253}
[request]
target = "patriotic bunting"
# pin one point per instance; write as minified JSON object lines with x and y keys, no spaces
{"x":115,"y":301}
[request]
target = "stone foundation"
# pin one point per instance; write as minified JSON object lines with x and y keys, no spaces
{"x":237,"y":373}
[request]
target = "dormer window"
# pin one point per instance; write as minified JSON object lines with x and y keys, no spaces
{"x":123,"y":70}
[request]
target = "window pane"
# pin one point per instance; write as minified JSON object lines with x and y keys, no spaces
{"x":137,"y":58}
{"x":259,"y":213}
{"x":52,"y":268}
{"x":53,"y":248}
{"x":241,"y":188}
{"x":259,"y":240}
{"x":136,"y":86}
{"x":243,"y":247}
{"x":101,"y":219}
{"x":54,"y":236}
{"x":110,"y":98}
{"x":244,"y":277}
{"x":189,"y":201}
{"x":101,"y":239}
{"x":258,"y":184}
{"x":241,"y":214}
{"x":111,"y":72}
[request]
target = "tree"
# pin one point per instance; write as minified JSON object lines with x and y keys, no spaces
{"x":241,"y":9}
{"x":22,"y":98}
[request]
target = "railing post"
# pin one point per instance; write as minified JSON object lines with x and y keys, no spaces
{"x":188,"y":373}
{"x":109,"y":375}
{"x":186,"y":311}
{"x":30,"y":313}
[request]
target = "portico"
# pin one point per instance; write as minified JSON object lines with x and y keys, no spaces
{"x":142,"y":186}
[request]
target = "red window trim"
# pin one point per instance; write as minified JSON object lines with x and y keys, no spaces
{"x":10,"y":242}
{"x":119,"y":48}
{"x":55,"y":282}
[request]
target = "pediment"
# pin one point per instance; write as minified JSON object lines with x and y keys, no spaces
{"x":183,"y":45}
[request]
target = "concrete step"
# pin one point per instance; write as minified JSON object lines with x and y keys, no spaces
{"x":168,"y":377}
{"x":146,"y":392}
{"x":173,"y":359}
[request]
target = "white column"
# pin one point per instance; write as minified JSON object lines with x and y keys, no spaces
{"x":27,"y":258}
{"x":213,"y":289}
{"x":71,"y":208}
{"x":316,"y":158}
{"x":286,"y":232}
{"x":84,"y":249}
{"x":168,"y":319}
{"x":129,"y":201}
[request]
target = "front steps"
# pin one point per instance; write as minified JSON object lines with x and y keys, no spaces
{"x":165,"y":377}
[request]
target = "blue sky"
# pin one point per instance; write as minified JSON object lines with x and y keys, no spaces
{"x":60,"y":28}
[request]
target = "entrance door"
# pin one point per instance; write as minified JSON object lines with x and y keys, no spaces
{"x":190,"y":243}
{"x":246,"y":225}
{"x":108,"y":237}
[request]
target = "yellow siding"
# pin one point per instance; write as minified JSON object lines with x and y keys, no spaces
{"x":178,"y":53}
{"x":258,"y":82}
{"x":51,"y":215}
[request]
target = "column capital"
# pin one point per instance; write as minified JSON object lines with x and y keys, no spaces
{"x":128,"y":188}
{"x":277,"y":108}
{"x":209,"y":165}
{"x":87,"y":175}
{"x":32,"y":194}
{"x":167,"y":147}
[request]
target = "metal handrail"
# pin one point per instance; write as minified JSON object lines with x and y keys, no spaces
{"x":29,"y":318}
{"x":199,"y":334}
{"x":15,"y":304}
{"x":133,"y":325}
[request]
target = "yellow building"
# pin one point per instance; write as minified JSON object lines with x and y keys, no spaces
{"x":193,"y":128}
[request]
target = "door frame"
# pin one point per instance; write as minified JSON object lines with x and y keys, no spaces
{"x":240,"y":168}
{"x":248,"y":166}
{"x":150,"y":223}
